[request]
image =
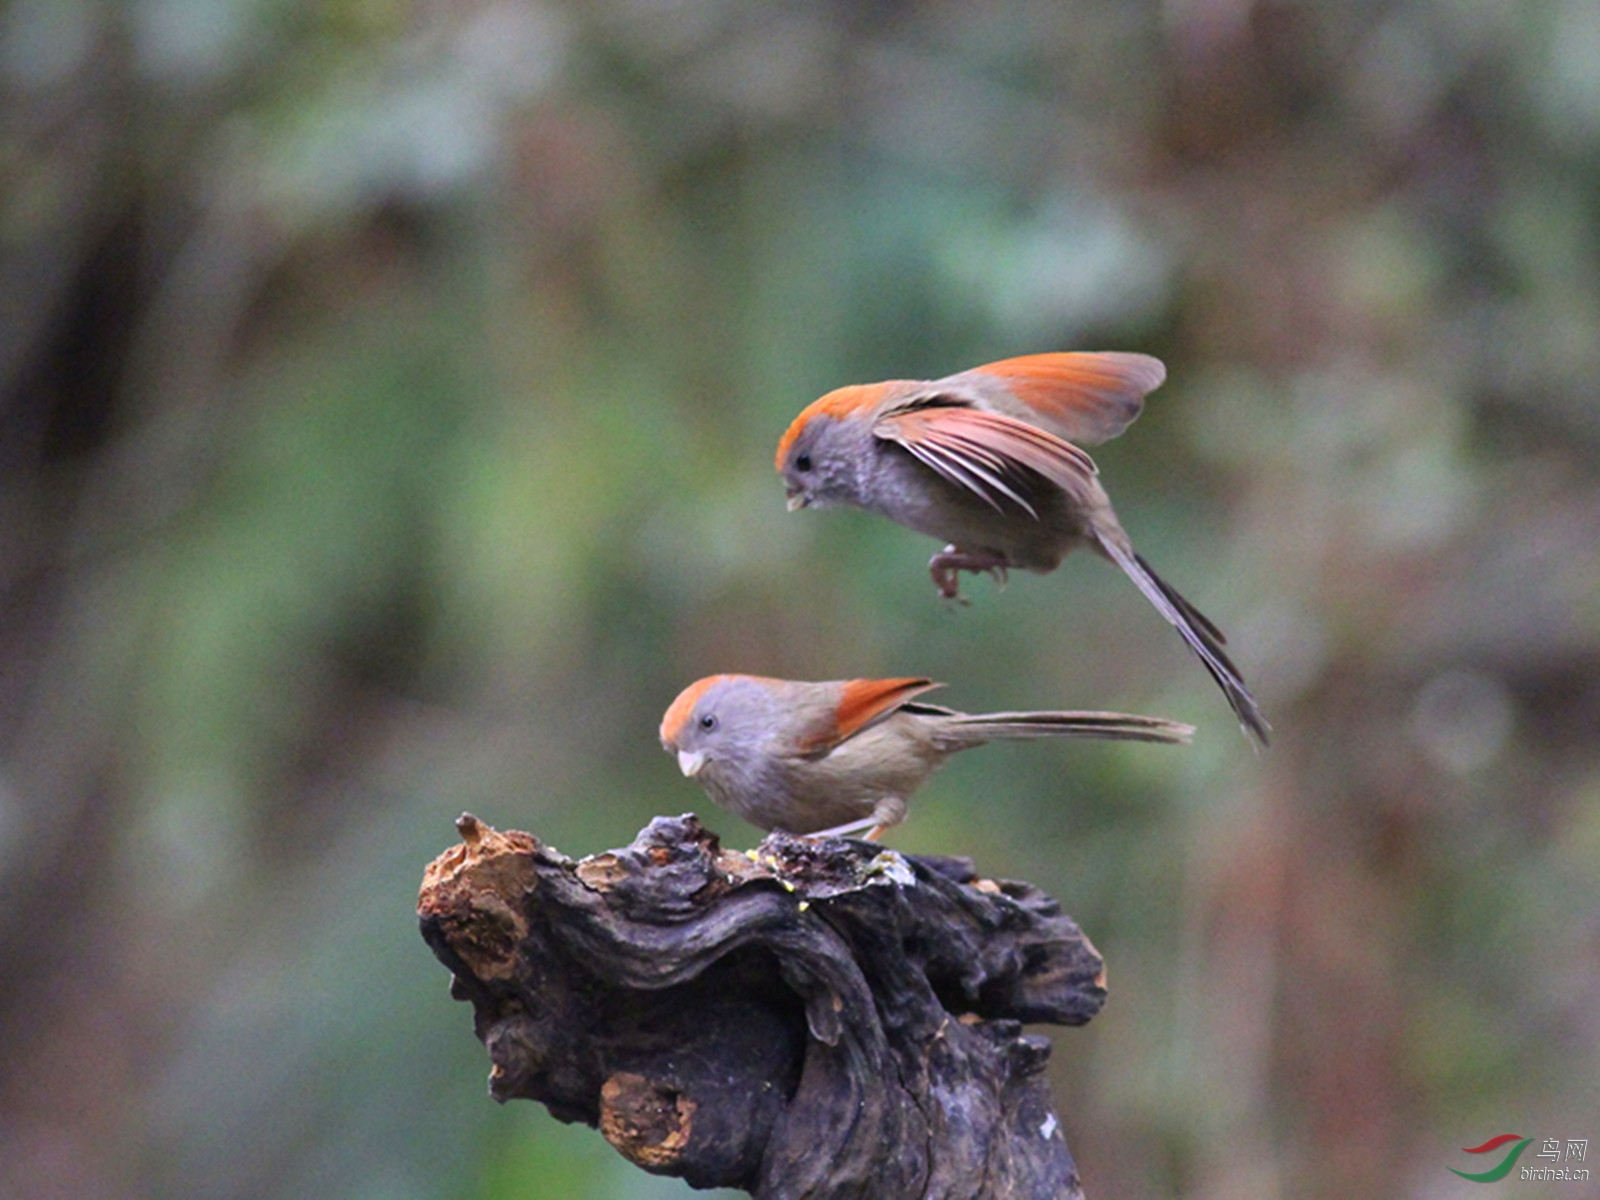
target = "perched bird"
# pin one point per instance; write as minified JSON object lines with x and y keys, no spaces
{"x":985,"y":460}
{"x":846,"y":755}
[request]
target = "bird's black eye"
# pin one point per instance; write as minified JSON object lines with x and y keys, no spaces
{"x":708,"y":722}
{"x":803,"y":463}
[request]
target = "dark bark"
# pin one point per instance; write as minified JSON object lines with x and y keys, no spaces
{"x":818,"y":1019}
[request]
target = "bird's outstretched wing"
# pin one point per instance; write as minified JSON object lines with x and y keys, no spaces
{"x":998,"y":458}
{"x":1087,"y":397}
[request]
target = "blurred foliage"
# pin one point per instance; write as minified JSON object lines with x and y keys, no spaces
{"x":387,"y":400}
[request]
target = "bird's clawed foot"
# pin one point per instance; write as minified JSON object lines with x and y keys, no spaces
{"x":947,"y":565}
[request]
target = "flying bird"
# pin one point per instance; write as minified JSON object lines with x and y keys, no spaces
{"x":989,"y":461}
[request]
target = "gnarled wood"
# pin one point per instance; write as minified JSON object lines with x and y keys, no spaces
{"x":818,"y":1018}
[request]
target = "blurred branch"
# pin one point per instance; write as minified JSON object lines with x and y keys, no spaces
{"x":816,"y":1019}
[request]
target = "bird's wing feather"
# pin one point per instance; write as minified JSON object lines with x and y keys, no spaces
{"x":989,"y":454}
{"x":1087,"y":397}
{"x":862,"y":704}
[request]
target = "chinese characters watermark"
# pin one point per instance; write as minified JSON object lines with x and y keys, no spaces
{"x":1564,"y":1155}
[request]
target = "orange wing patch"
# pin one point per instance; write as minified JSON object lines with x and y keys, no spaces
{"x":1087,"y":397}
{"x":864,"y":702}
{"x":839,"y":403}
{"x":681,"y":709}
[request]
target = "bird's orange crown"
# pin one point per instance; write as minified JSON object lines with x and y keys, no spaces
{"x":681,"y":709}
{"x":839,"y":403}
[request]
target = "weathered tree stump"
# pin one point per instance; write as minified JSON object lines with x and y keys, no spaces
{"x":817,"y":1019}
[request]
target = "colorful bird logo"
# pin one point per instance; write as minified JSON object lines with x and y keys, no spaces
{"x":1503,"y":1168}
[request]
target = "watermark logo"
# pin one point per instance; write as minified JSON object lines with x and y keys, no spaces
{"x":1572,"y":1150}
{"x":1503,"y":1168}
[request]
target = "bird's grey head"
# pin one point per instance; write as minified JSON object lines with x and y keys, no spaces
{"x":720,"y":727}
{"x":821,"y":455}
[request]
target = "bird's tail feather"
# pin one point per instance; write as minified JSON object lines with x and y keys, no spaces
{"x":963,"y":730}
{"x":1204,"y":638}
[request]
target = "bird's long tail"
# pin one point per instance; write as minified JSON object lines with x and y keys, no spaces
{"x":963,"y":730}
{"x":1204,"y":638}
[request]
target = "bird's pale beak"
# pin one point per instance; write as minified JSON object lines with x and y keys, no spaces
{"x":690,"y":762}
{"x":797,"y":501}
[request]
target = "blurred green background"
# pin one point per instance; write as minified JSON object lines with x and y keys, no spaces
{"x":387,"y":399}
